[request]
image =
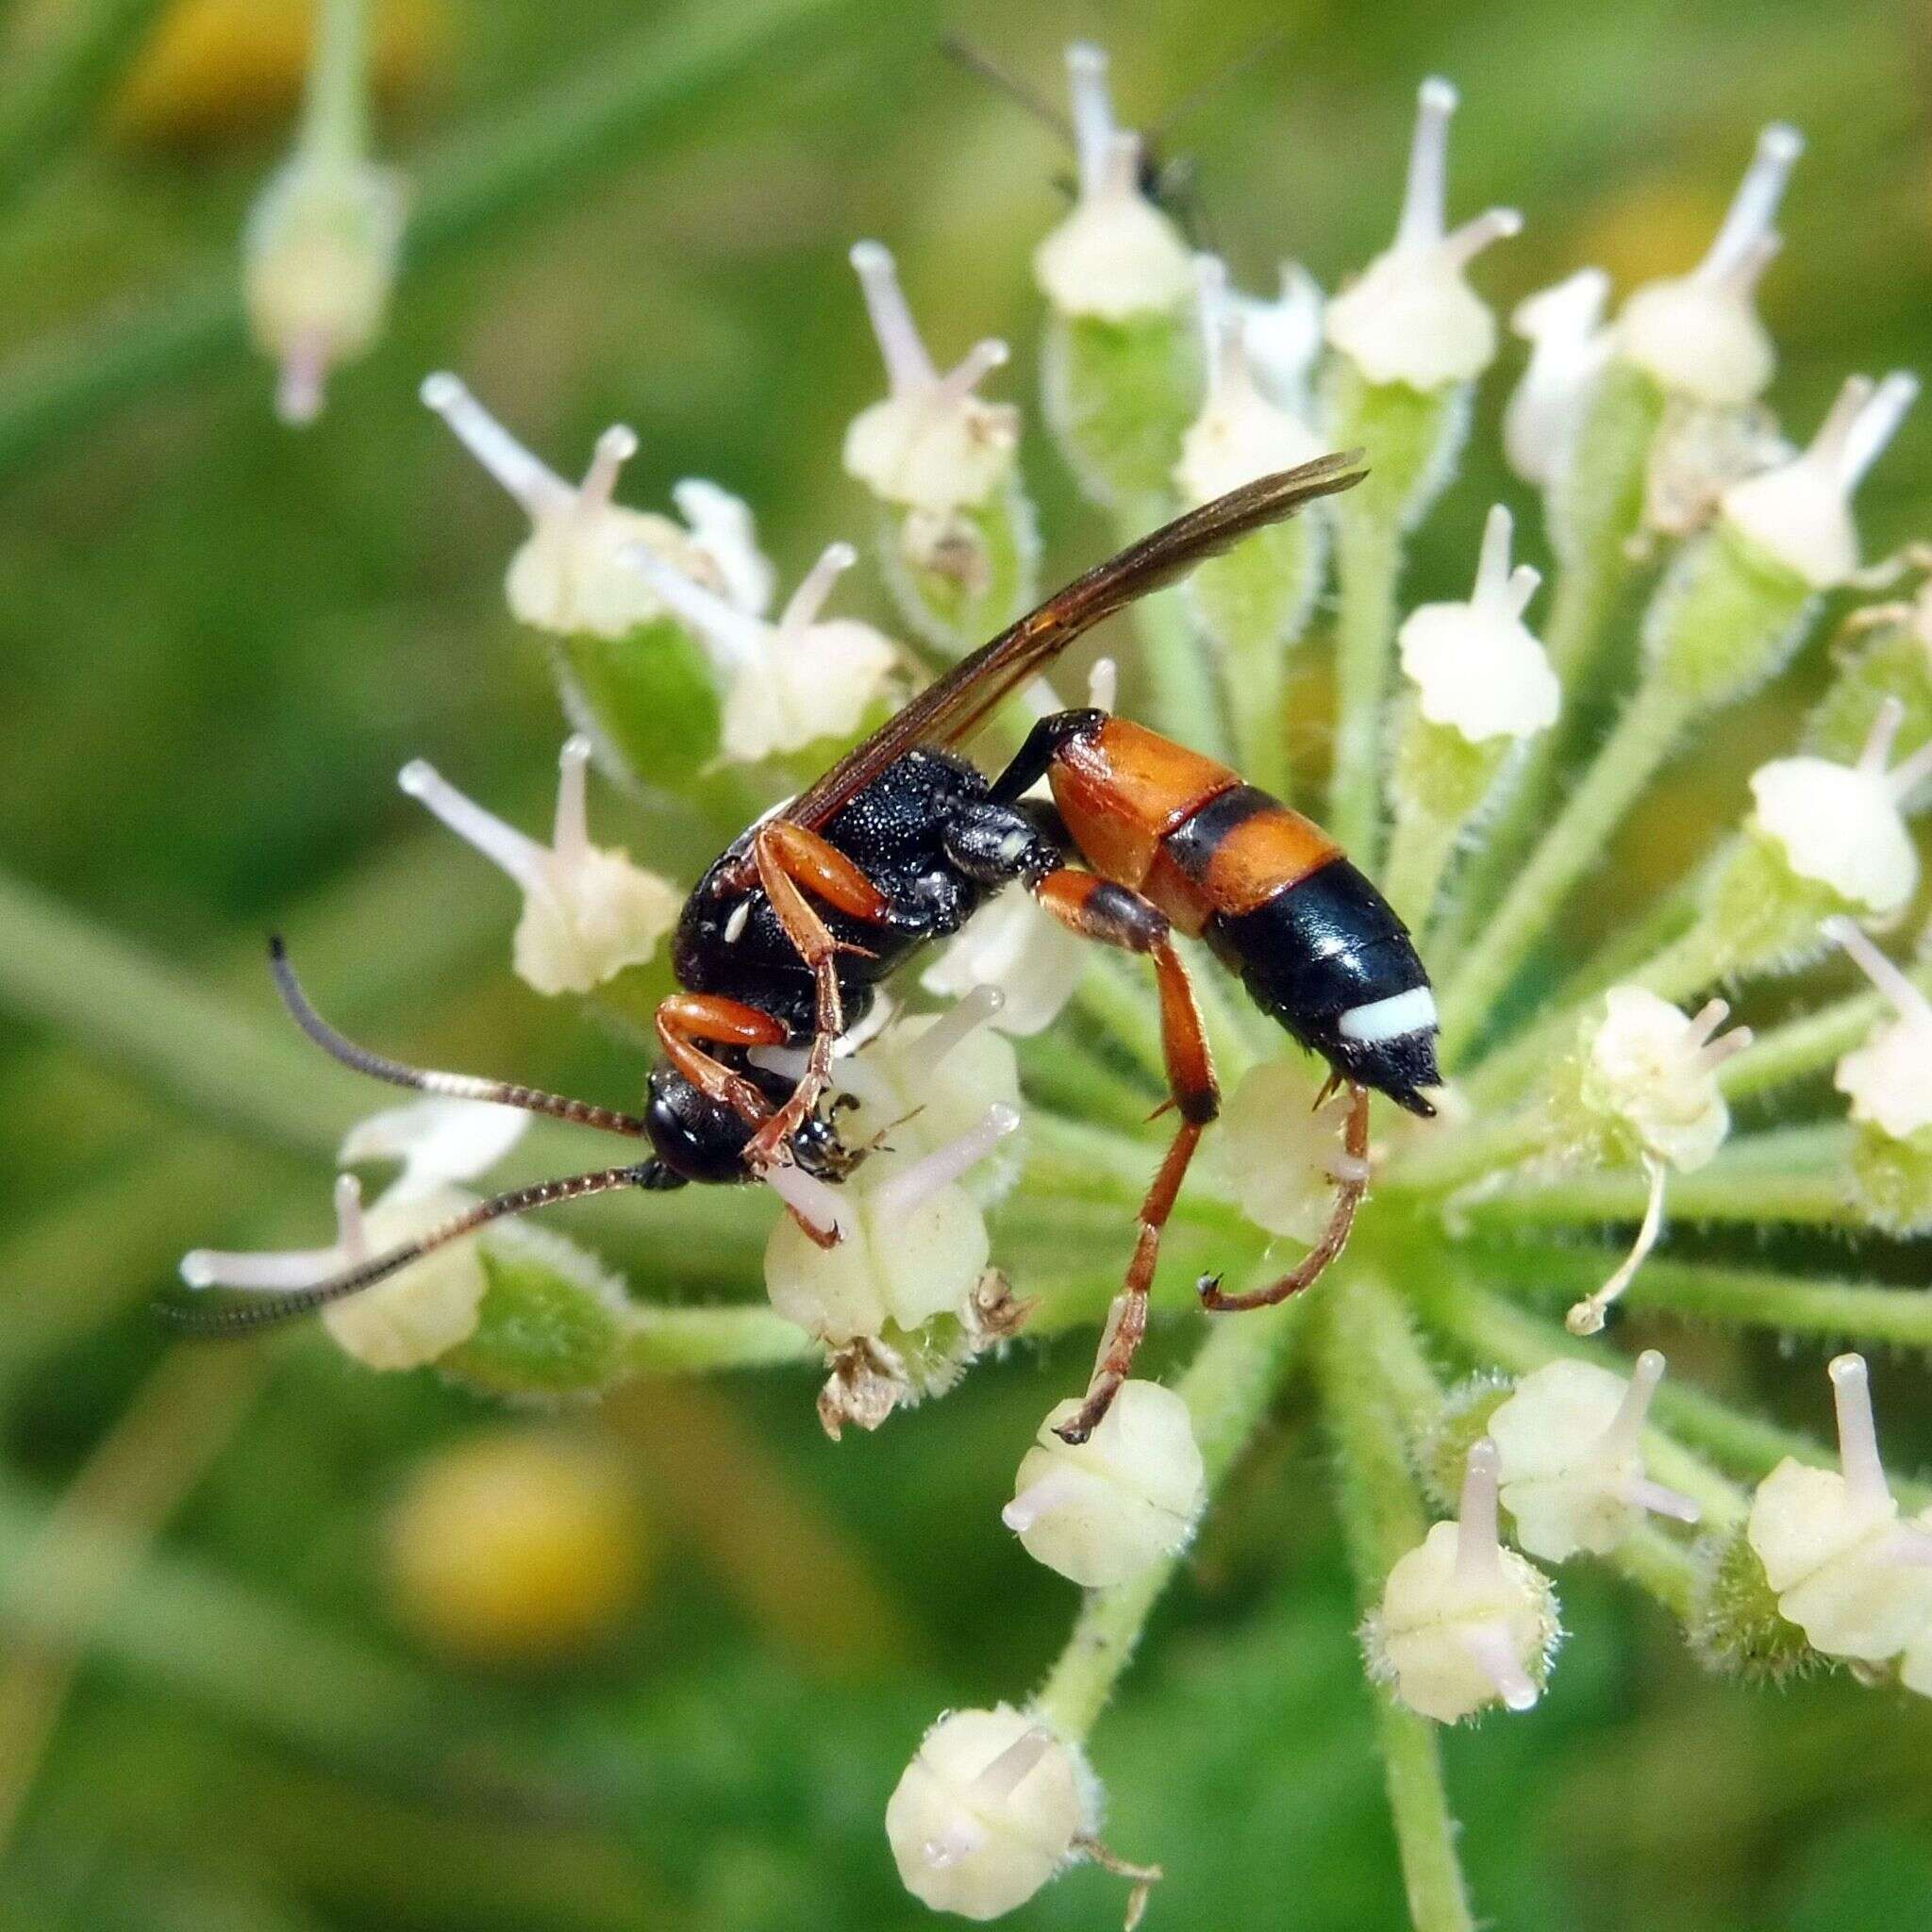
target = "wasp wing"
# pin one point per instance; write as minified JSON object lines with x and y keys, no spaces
{"x":958,"y":704}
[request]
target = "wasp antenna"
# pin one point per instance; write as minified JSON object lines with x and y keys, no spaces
{"x":976,"y":60}
{"x":582,"y":1113}
{"x":1225,"y":75}
{"x":290,"y":1305}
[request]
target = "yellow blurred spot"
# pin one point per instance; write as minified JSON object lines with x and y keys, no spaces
{"x":1656,"y":228}
{"x":216,"y":69}
{"x":516,"y":1546}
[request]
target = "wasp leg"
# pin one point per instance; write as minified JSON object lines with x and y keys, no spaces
{"x":1117,"y":917}
{"x":686,"y":1018}
{"x":1349,"y":1190}
{"x":788,"y":857}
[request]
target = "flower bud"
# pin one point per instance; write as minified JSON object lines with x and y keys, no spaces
{"x":1853,"y":1577}
{"x":796,"y":684}
{"x":1735,"y":1627}
{"x":988,"y":1811}
{"x":1463,"y":1623}
{"x":1882,"y":652}
{"x":1799,"y":515}
{"x":1569,"y":1442}
{"x":1699,"y":335}
{"x":1412,"y":317}
{"x":588,"y":912}
{"x":319,"y":265}
{"x":1282,"y":1152}
{"x":1889,"y":1082}
{"x":1568,"y":348}
{"x":1109,"y":1510}
{"x":1024,"y":953}
{"x":515,"y":1546}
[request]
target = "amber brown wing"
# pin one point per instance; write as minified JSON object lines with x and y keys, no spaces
{"x":958,"y":704}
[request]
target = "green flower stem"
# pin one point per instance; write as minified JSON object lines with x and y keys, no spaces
{"x":1382,"y":1518}
{"x":1449,"y":1158}
{"x":335,"y":117}
{"x":1228,"y":1387}
{"x":1077,"y":1160}
{"x":1119,"y":1000}
{"x":1733,"y":1189}
{"x":1368,"y":565}
{"x":1055,"y":1072}
{"x":1643,"y":738}
{"x":1805,"y":1046}
{"x":1490,"y":1330}
{"x":54,"y":99}
{"x":1746,"y":1297}
{"x":627,"y":98}
{"x":683,"y":1341}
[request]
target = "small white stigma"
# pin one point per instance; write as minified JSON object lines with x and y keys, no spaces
{"x":1102,"y":684}
{"x":1239,"y":433}
{"x":536,"y":487}
{"x":1568,"y":348}
{"x":1698,"y":335}
{"x":1479,"y":1570}
{"x":1889,"y":1079}
{"x":911,"y":1187}
{"x":1476,"y":666}
{"x":1095,"y":131}
{"x":809,"y":1198}
{"x":1799,"y":513}
{"x":1412,"y":317}
{"x":931,"y":444}
{"x":959,"y":1022}
{"x":588,"y":912}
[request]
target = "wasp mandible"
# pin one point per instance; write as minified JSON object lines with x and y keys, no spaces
{"x":788,"y":936}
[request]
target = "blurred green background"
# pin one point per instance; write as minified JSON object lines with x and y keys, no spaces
{"x":682,"y":1700}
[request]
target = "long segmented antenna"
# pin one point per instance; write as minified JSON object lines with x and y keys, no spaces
{"x":582,"y":1113}
{"x":298,"y":1301}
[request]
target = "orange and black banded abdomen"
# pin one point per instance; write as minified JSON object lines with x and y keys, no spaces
{"x":1316,"y":945}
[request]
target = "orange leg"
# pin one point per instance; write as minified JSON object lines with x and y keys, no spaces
{"x":1314,"y":1264}
{"x":788,"y":856}
{"x":1117,"y":917}
{"x":686,"y":1018}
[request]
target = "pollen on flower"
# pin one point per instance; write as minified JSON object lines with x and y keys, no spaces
{"x":1111,"y":1508}
{"x":1476,"y":666}
{"x":931,"y":444}
{"x":1889,"y":1079}
{"x":790,"y":684}
{"x":319,"y":264}
{"x":1799,"y":513}
{"x":1410,"y":316}
{"x":1570,"y":1447}
{"x":988,"y":1811}
{"x":573,"y":575}
{"x":1032,"y":961}
{"x":1116,"y":255}
{"x":1699,"y":335}
{"x":1843,"y":826}
{"x":1568,"y":348}
{"x":588,"y":912}
{"x":1240,"y":432}
{"x":1854,"y":1577}
{"x":1465,"y":1623}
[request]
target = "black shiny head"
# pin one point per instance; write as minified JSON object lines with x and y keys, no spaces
{"x":698,"y":1138}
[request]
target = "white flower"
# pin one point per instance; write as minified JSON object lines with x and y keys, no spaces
{"x":789,"y":684}
{"x":1570,"y":1443}
{"x":931,"y":444}
{"x":921,"y":1082}
{"x":988,"y":1811}
{"x":1011,"y":944}
{"x":1478,"y":667}
{"x":318,"y":262}
{"x":1283,"y":338}
{"x":437,"y":1142}
{"x":1568,"y":348}
{"x":911,"y":1243}
{"x":572,"y":575}
{"x":1464,"y":1622}
{"x":1854,"y":1578}
{"x":1698,"y":335}
{"x":588,"y":912}
{"x":1843,"y":826}
{"x":1799,"y":513}
{"x":1889,"y":1077}
{"x":1650,"y":1075}
{"x":1111,"y":1507}
{"x":1412,"y":317}
{"x":428,"y":1308}
{"x":1116,"y":255}
{"x":1240,"y":434}
{"x":1283,"y":1154}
